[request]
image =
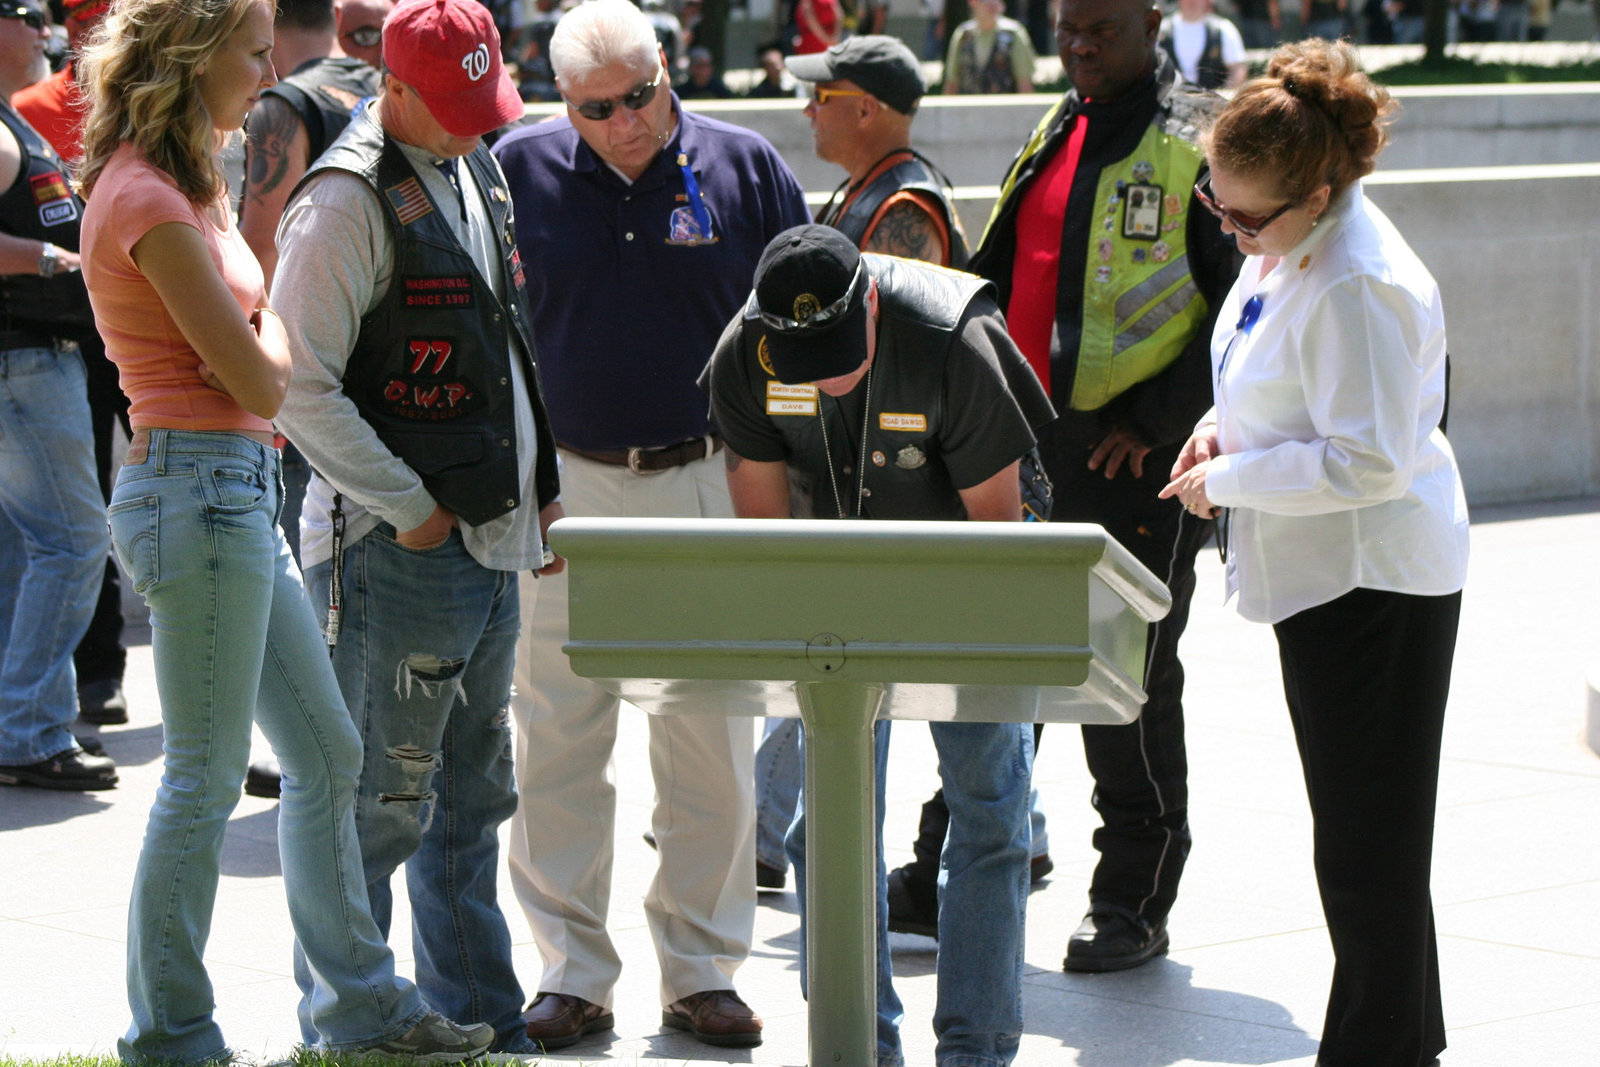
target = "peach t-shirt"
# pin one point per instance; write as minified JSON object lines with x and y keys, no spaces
{"x":157,"y":366}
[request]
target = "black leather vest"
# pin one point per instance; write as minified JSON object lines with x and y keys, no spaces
{"x":41,"y":205}
{"x":996,"y":76}
{"x":1211,"y":71}
{"x":325,"y":93}
{"x":430,"y":370}
{"x":914,"y":173}
{"x":919,"y":308}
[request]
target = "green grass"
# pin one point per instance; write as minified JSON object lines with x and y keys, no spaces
{"x":301,"y":1058}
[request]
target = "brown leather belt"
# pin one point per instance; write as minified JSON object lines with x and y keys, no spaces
{"x":654,"y":460}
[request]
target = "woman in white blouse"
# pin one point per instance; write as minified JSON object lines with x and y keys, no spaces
{"x":1345,"y":525}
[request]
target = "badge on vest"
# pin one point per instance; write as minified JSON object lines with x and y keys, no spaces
{"x":791,"y":399}
{"x":910,"y":458}
{"x":53,"y":198}
{"x":1141,"y":219}
{"x":426,"y":388}
{"x":410,"y":203}
{"x":447,"y":291}
{"x":889,"y":420}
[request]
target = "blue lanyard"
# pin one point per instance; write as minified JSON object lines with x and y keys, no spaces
{"x":697,"y":204}
{"x":1247,"y":322}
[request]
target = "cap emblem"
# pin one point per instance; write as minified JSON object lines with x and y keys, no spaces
{"x":805,"y":306}
{"x":476,"y":62}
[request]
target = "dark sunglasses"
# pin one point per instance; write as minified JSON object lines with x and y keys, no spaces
{"x":600,"y":110}
{"x":366,"y":36}
{"x":30,"y":15}
{"x":1249,"y":225}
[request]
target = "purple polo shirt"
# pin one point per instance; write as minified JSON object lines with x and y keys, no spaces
{"x":629,"y":292}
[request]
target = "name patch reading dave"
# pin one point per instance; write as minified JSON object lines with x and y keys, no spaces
{"x":445,"y":291}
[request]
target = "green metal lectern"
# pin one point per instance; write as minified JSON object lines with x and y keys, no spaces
{"x":843,"y":623}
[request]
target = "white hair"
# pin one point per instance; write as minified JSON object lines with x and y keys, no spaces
{"x":602,"y":33}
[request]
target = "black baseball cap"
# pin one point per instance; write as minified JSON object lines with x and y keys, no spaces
{"x":881,"y":65}
{"x":811,"y":298}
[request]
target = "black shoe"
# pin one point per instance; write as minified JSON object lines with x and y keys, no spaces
{"x":264,"y":780}
{"x":913,"y":904}
{"x":1114,"y":939}
{"x":101,"y":703}
{"x":72,"y":769}
{"x":1039,"y":867}
{"x":90,"y":744}
{"x":774,"y":878}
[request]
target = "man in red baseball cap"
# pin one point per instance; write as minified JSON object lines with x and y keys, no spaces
{"x":415,"y":394}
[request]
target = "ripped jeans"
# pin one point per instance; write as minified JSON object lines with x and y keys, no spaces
{"x":424,"y":661}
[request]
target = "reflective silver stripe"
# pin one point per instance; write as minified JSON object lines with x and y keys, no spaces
{"x":1155,"y":318}
{"x":1129,"y":303}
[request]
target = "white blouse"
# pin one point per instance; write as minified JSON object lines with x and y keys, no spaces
{"x":1329,"y":378}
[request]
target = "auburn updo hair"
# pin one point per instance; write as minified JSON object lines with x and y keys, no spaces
{"x":1314,"y":118}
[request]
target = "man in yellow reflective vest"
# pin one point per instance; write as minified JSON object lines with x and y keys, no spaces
{"x":1110,"y":275}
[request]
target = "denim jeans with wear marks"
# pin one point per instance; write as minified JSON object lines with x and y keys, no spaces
{"x":424,"y":659}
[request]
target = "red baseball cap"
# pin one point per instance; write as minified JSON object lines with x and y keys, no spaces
{"x":449,"y":52}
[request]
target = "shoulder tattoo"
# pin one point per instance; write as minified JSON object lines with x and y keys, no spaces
{"x":907,"y":230}
{"x":268,"y":135}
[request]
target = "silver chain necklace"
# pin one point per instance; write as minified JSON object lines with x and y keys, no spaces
{"x":861,"y":457}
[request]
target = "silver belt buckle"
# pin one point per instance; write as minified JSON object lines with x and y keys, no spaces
{"x":633,"y":461}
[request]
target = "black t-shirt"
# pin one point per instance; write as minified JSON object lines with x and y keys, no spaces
{"x":975,"y":429}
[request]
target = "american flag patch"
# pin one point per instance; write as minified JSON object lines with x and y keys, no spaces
{"x":410,"y":202}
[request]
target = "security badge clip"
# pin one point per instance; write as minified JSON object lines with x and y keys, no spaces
{"x":1141,"y":218}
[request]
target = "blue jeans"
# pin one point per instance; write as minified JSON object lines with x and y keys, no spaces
{"x":52,"y":547}
{"x":780,"y":772}
{"x":194,"y":523}
{"x":987,"y":770}
{"x":424,"y":660}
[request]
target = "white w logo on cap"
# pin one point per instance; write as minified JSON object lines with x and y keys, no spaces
{"x":476,"y":62}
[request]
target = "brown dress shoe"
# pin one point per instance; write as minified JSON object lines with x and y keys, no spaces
{"x":556,"y":1020}
{"x":716,"y":1017}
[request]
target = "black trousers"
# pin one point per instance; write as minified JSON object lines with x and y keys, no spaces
{"x":100,"y":655}
{"x":1140,"y":770}
{"x":1367,"y":676}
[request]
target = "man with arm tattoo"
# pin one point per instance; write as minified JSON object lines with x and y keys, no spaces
{"x":290,"y":126}
{"x":864,"y":96}
{"x":298,"y":118}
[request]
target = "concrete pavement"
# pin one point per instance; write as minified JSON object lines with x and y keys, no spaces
{"x":1517,"y":873}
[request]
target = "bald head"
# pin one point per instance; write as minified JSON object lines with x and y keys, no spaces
{"x":1107,"y":47}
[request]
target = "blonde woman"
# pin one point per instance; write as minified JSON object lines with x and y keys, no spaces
{"x":180,"y":301}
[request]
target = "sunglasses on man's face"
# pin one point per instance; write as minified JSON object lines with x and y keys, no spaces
{"x":33,"y":17}
{"x":366,"y":36}
{"x":821,"y":96}
{"x":1249,"y":225}
{"x":600,"y":110}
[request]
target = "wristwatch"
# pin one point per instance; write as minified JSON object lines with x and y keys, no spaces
{"x":47,"y":260}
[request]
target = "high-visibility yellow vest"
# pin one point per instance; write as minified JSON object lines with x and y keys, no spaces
{"x":1140,"y":302}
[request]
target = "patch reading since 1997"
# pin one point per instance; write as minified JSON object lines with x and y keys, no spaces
{"x":889,"y":420}
{"x":438,"y":291}
{"x":791,"y":399}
